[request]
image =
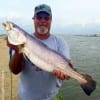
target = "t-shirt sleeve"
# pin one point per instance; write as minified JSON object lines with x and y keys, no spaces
{"x":63,"y":48}
{"x":11,"y":52}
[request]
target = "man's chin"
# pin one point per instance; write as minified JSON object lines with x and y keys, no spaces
{"x":42,"y":32}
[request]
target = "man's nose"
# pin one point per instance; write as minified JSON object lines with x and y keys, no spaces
{"x":43,"y":19}
{"x":43,"y":23}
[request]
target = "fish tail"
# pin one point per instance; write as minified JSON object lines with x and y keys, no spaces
{"x":90,"y":86}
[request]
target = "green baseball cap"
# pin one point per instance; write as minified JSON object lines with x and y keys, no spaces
{"x":43,"y":8}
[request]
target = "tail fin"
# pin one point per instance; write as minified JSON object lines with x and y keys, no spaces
{"x":90,"y":86}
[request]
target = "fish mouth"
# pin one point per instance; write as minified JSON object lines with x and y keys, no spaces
{"x":7,"y":26}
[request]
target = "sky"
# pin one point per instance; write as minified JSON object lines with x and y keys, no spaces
{"x":65,"y":12}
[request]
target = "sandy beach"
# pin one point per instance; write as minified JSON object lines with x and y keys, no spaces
{"x":4,"y":58}
{"x":5,"y":72}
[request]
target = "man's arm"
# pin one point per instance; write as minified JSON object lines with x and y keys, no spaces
{"x":16,"y":63}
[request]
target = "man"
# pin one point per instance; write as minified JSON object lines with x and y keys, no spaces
{"x":36,"y":84}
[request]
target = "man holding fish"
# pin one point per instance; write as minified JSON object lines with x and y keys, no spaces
{"x":36,"y":84}
{"x":42,"y":59}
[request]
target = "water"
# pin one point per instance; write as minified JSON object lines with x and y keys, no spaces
{"x":85,"y":52}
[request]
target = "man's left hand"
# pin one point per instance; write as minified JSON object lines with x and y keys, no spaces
{"x":60,"y":75}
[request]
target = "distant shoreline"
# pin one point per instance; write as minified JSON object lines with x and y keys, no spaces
{"x":94,"y":35}
{"x":3,"y":36}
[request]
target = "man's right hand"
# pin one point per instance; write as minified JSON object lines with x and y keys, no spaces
{"x":12,"y":46}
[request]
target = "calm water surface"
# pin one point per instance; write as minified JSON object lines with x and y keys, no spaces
{"x":85,"y":52}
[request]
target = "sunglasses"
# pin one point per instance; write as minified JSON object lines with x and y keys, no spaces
{"x":46,"y":18}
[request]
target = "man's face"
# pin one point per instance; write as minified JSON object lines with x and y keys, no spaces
{"x":42,"y":23}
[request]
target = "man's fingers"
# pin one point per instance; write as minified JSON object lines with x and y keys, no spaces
{"x":54,"y":72}
{"x":60,"y":75}
{"x":67,"y":77}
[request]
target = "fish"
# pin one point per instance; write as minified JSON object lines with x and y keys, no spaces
{"x":45,"y":58}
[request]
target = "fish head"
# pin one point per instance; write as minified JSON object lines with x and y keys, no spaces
{"x":7,"y":26}
{"x":15,"y":34}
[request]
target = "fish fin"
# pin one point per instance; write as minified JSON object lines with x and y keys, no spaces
{"x":90,"y":86}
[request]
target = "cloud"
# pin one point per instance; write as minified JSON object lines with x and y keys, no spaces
{"x":12,"y":14}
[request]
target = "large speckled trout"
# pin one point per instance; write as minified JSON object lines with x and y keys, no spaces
{"x":44,"y":57}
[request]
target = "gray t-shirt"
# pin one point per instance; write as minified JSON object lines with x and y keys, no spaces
{"x":41,"y":85}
